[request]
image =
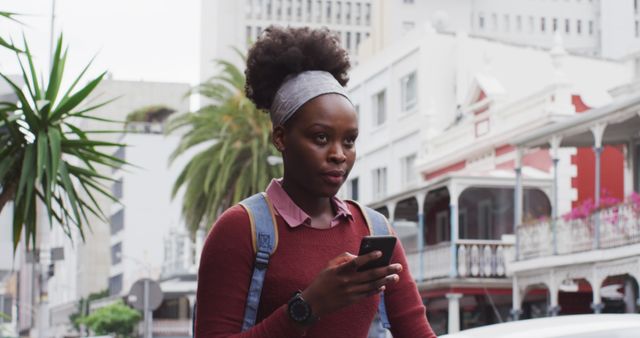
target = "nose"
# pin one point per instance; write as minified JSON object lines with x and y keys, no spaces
{"x":337,"y":153}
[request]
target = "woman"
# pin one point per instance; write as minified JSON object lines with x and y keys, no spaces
{"x":297,"y":75}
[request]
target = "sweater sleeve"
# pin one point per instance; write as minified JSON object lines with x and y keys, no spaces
{"x":226,"y":266}
{"x":404,"y":305}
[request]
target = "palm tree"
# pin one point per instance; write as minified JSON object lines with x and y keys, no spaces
{"x":44,"y":155}
{"x":232,"y":140}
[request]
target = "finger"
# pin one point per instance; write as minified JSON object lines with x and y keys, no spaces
{"x":377,"y":273}
{"x":341,"y":259}
{"x":364,"y":289}
{"x":358,"y":261}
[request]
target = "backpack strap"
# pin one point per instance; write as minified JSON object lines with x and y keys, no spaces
{"x":264,"y":235}
{"x":378,"y":226}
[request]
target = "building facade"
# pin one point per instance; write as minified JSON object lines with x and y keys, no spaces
{"x":608,"y":29}
{"x":227,"y":24}
{"x":437,"y":113}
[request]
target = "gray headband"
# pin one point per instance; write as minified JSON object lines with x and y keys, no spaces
{"x":300,"y":88}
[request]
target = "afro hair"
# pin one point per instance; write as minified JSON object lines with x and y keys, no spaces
{"x":280,"y":52}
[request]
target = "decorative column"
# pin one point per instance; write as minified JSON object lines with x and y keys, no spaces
{"x":596,"y":283}
{"x":628,"y":168}
{"x":516,"y":310}
{"x":454,"y":312}
{"x":421,"y":235}
{"x":517,"y":200}
{"x":555,"y":146}
{"x":453,"y":211}
{"x":598,"y":132}
{"x":554,"y":306}
{"x":391,"y":206}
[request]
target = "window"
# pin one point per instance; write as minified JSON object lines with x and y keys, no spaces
{"x":367,"y":14}
{"x":279,"y":10}
{"x":357,"y":108}
{"x":408,"y":25}
{"x":494,"y":21}
{"x":481,"y":21}
{"x":116,"y":189}
{"x":115,"y":285}
{"x":637,"y":29}
{"x":409,"y":92}
{"x":116,"y":253}
{"x":352,"y":189}
{"x":339,"y":12}
{"x":269,"y":8}
{"x":579,"y":27}
{"x":308,"y":10}
{"x":248,"y":36}
{"x":358,"y":38}
{"x":289,"y":9}
{"x":408,"y":1}
{"x":590,"y":27}
{"x":116,"y":222}
{"x":319,"y":11}
{"x":299,"y":11}
{"x":379,"y":183}
{"x":567,"y":26}
{"x":408,"y":173}
{"x":542,"y":25}
{"x":519,"y":23}
{"x":635,"y":6}
{"x":555,"y":25}
{"x":507,"y":23}
{"x":348,"y":42}
{"x":531,"y":24}
{"x":328,"y":17}
{"x":358,"y":13}
{"x":347,"y":13}
{"x":442,"y":226}
{"x":379,"y":108}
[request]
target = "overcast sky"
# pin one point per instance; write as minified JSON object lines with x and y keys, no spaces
{"x":153,"y":40}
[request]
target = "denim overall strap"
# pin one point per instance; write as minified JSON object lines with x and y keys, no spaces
{"x":264,"y":235}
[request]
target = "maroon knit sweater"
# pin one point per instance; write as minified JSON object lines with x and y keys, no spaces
{"x":225,"y":271}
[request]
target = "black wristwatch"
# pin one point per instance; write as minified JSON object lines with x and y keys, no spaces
{"x":299,"y":310}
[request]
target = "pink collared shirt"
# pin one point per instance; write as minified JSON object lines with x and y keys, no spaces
{"x":294,"y":216}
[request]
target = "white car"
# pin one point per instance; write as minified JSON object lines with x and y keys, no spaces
{"x":571,"y":326}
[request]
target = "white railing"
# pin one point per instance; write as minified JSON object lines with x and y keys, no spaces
{"x":607,"y":228}
{"x":475,"y":258}
{"x":483,"y":258}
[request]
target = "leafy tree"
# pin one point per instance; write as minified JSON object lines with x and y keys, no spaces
{"x":44,"y":155}
{"x":83,"y":308}
{"x":117,"y":319}
{"x":233,"y":139}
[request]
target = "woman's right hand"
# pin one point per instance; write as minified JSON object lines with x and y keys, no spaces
{"x":340,"y":284}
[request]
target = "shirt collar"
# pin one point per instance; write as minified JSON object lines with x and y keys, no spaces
{"x":293,"y":215}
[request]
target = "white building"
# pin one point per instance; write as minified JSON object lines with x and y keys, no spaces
{"x":87,"y":266}
{"x":437,"y":113}
{"x":610,"y":29}
{"x":227,"y":24}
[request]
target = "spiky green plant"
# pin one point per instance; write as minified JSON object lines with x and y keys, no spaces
{"x":3,"y":41}
{"x":235,"y":137}
{"x":44,"y":155}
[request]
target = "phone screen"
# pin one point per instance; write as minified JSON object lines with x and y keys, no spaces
{"x":385,"y":244}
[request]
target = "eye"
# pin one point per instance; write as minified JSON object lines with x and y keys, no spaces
{"x":321,"y":138}
{"x":350,"y":141}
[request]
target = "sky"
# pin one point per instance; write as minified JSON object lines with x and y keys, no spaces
{"x":151,"y":40}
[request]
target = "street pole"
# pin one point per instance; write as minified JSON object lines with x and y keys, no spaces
{"x":147,"y":315}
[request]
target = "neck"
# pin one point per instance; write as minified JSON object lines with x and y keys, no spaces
{"x":314,"y":206}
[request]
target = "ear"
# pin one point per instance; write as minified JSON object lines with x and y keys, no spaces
{"x":277,"y":138}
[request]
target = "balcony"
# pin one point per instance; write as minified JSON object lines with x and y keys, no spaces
{"x":607,"y":228}
{"x":171,"y":327}
{"x":475,"y":258}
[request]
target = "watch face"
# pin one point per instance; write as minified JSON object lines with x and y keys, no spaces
{"x":299,"y":310}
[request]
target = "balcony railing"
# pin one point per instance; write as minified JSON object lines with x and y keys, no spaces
{"x":171,"y":327}
{"x":607,"y":228}
{"x":476,"y":258}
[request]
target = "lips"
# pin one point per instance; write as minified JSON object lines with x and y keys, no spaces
{"x":333,"y":177}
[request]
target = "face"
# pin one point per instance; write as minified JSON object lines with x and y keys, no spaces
{"x":318,"y":145}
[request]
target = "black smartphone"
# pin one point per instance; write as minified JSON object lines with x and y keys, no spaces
{"x":385,"y":244}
